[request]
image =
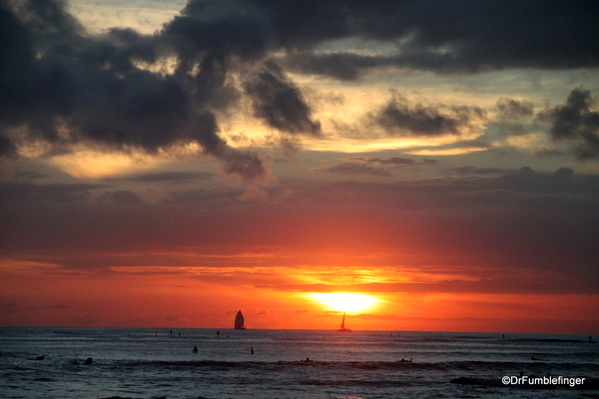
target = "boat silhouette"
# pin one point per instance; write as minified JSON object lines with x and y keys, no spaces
{"x":239,"y":321}
{"x":343,"y":328}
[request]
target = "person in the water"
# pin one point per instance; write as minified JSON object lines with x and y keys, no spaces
{"x":195,"y":349}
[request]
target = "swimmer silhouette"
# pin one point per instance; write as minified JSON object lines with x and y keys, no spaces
{"x":252,"y":351}
{"x":40,"y":357}
{"x":195,"y":349}
{"x":88,"y":361}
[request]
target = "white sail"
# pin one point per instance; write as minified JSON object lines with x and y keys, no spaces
{"x":239,"y":321}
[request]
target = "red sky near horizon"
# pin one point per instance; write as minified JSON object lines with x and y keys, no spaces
{"x":168,"y":165}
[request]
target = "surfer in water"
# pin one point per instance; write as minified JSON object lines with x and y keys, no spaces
{"x":195,"y":349}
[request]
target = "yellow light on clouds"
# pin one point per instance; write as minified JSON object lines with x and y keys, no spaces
{"x":95,"y":164}
{"x":452,"y":151}
{"x":345,"y":302}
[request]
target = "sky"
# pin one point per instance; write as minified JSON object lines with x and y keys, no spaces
{"x":168,"y":163}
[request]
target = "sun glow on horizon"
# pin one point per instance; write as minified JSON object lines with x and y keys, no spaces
{"x":345,"y":302}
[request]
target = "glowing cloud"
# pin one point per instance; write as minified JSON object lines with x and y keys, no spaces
{"x":96,"y":164}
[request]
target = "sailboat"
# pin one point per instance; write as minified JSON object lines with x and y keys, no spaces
{"x":239,"y":321}
{"x":343,"y":329}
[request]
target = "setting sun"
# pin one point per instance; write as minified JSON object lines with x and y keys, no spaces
{"x":346,"y":302}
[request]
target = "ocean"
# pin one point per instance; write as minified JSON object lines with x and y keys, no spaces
{"x":152,"y":363}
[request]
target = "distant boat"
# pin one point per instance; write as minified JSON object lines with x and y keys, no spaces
{"x":343,"y":329}
{"x":239,"y":321}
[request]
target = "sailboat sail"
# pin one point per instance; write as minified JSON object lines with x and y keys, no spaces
{"x":343,"y":329}
{"x":239,"y":321}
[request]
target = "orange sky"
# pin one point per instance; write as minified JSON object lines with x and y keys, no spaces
{"x":166,"y":164}
{"x":36,"y":293}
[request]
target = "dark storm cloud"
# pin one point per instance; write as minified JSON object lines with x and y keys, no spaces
{"x":510,"y":108}
{"x":577,"y":121}
{"x":447,"y":37}
{"x":220,"y":27}
{"x":400,"y":118}
{"x":512,"y":117}
{"x":341,"y":66}
{"x":279,"y":102}
{"x":55,"y":76}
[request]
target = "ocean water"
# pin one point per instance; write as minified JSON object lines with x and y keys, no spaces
{"x":152,"y":364}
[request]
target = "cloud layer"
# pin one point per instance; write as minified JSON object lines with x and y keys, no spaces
{"x":127,"y":91}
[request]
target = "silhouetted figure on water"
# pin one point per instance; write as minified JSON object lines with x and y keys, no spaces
{"x":195,"y":349}
{"x":407,"y":361}
{"x":252,"y":351}
{"x":42,"y":357}
{"x":89,"y":361}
